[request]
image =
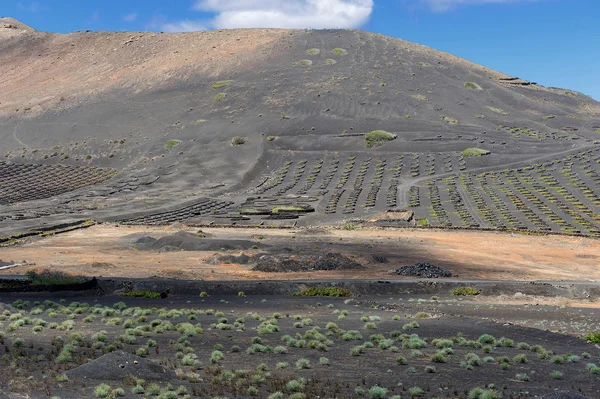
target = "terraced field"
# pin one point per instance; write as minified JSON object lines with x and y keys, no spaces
{"x":273,"y":130}
{"x":28,"y":182}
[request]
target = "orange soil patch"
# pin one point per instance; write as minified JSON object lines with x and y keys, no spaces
{"x":467,"y":254}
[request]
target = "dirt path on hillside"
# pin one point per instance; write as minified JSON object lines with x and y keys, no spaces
{"x":108,"y":251}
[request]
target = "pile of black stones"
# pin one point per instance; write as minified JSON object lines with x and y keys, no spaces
{"x":422,"y":269}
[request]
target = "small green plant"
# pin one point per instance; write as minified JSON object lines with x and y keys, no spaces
{"x":241,"y":294}
{"x":416,"y":391}
{"x":472,"y":86}
{"x":522,"y":377}
{"x":237,"y":140}
{"x":465,"y":291}
{"x":313,"y":51}
{"x":172,"y":143}
{"x":350,"y":226}
{"x":221,"y":83}
{"x":48,"y":277}
{"x":219,"y":97}
{"x":142,"y":294}
{"x":593,"y":337}
{"x":482,"y":393}
{"x":450,"y":120}
{"x":102,"y":391}
{"x":339,"y":51}
{"x":137,"y":390}
{"x":557,"y":375}
{"x":216,"y":356}
{"x":302,"y":364}
{"x":203,"y":294}
{"x":305,"y":62}
{"x":377,"y":392}
{"x":377,"y":138}
{"x":497,"y":110}
{"x":486,"y":339}
{"x":324,"y":291}
{"x":474,"y":152}
{"x":520,"y":359}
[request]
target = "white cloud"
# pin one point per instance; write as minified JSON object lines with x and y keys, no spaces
{"x":36,"y":6}
{"x":298,"y":14}
{"x":184,"y":26}
{"x":445,"y":5}
{"x":130,"y":17}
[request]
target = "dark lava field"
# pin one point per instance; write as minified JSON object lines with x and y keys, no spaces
{"x":272,"y":127}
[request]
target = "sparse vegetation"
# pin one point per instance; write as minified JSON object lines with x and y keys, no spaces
{"x":464,"y":291}
{"x":172,"y":143}
{"x":450,"y":120}
{"x":340,"y":51}
{"x":472,"y":86}
{"x":325,"y":291}
{"x":219,"y":97}
{"x":474,"y":152}
{"x":497,"y":110}
{"x":593,"y":337}
{"x":221,"y":83}
{"x":313,"y":51}
{"x":142,"y":294}
{"x":237,"y":140}
{"x":378,"y":137}
{"x":47,"y":277}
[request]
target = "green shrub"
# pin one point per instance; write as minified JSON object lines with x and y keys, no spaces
{"x":474,"y":152}
{"x":302,"y":364}
{"x":377,"y":392}
{"x":172,"y":143}
{"x":378,"y":137}
{"x":221,"y":83}
{"x":219,"y":97}
{"x":324,"y":291}
{"x":339,"y":51}
{"x":593,"y":337}
{"x":48,"y":277}
{"x":557,"y":375}
{"x":102,"y":391}
{"x":520,"y":359}
{"x":481,"y":393}
{"x":237,"y":140}
{"x":416,"y":391}
{"x":472,"y":86}
{"x":464,"y":291}
{"x":142,"y":294}
{"x":313,"y":51}
{"x":438,"y":357}
{"x":294,"y":385}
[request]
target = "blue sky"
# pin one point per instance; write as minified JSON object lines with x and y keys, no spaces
{"x":552,"y":42}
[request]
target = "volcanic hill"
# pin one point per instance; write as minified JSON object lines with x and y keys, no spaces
{"x":281,"y":127}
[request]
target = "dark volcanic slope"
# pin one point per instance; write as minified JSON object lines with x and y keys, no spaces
{"x":162,"y":110}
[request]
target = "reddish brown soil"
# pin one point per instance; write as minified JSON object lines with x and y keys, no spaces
{"x":468,"y":255}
